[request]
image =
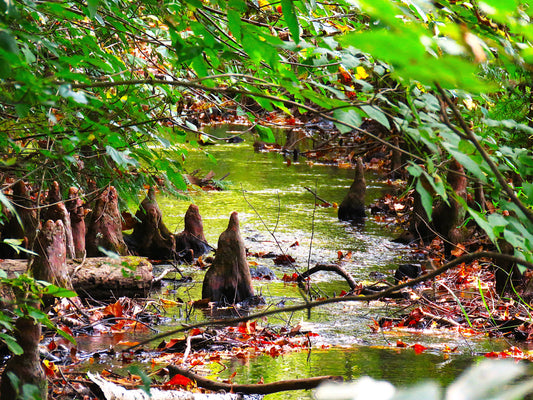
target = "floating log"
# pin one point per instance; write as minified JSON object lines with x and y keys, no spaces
{"x":192,"y":237}
{"x":104,"y":228}
{"x":99,"y":277}
{"x":352,"y":207}
{"x":228,"y":279}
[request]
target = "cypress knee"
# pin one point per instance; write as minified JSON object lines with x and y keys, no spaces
{"x":352,"y":207}
{"x":192,"y":237}
{"x":228,"y":279}
{"x":104,"y":228}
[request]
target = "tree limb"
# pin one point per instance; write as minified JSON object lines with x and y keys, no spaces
{"x":264,"y":388}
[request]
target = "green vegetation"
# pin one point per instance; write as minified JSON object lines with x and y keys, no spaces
{"x":107,"y":89}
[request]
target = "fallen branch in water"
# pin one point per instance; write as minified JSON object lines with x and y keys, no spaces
{"x":308,"y":305}
{"x":260,"y":388}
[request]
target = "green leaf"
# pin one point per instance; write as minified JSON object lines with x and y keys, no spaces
{"x":12,"y":344}
{"x":426,"y":197}
{"x":289,"y":13}
{"x":376,"y":114}
{"x":57,"y":291}
{"x":265,"y":133}
{"x":147,"y":382}
{"x":350,"y":117}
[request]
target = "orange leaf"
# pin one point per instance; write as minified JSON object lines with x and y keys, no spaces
{"x":114,"y":309}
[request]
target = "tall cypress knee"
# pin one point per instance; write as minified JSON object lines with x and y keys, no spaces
{"x":228,"y":279}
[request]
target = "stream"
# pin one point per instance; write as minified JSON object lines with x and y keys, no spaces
{"x":275,"y":212}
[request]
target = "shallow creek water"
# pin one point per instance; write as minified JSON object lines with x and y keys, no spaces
{"x":275,"y":210}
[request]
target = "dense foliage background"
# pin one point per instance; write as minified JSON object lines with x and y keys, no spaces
{"x":106,"y":89}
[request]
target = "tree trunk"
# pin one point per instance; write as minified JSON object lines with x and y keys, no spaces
{"x":192,"y":238}
{"x":352,"y":207}
{"x":151,"y":238}
{"x":105,"y":226}
{"x":228,"y":279}
{"x":27,"y":366}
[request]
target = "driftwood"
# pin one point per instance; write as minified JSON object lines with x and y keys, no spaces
{"x":99,"y":277}
{"x":228,"y":279}
{"x":192,"y":238}
{"x":263,"y":388}
{"x":56,"y":210}
{"x":26,"y":366}
{"x":76,"y":209}
{"x":151,"y":238}
{"x":104,"y":228}
{"x":352,"y":207}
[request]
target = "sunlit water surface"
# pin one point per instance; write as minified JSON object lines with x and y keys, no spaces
{"x":275,"y":212}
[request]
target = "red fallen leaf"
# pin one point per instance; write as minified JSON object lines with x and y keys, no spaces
{"x":171,"y":343}
{"x":419,"y":349}
{"x":343,"y":293}
{"x":399,"y":343}
{"x":179,"y":380}
{"x":492,"y":354}
{"x":215,"y":358}
{"x":197,"y":362}
{"x":274,"y":352}
{"x":295,"y":244}
{"x":114,"y":309}
{"x":261,"y":381}
{"x":195,"y":331}
{"x":312,"y":334}
{"x":290,"y":278}
{"x":52,"y":345}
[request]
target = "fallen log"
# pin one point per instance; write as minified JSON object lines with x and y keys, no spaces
{"x":262,"y":388}
{"x":100,"y":277}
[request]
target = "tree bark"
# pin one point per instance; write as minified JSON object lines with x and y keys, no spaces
{"x":105,"y":227}
{"x":352,"y":207}
{"x":228,"y":279}
{"x":26,"y":366}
